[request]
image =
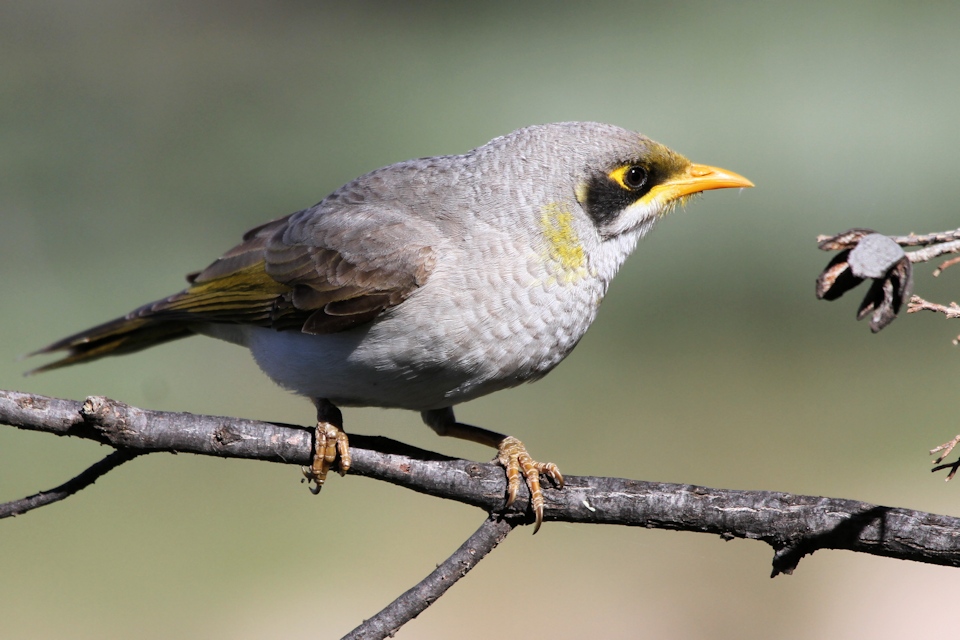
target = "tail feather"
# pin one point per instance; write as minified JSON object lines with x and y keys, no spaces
{"x":246,"y":295}
{"x":122,"y":335}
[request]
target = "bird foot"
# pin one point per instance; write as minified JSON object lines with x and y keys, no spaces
{"x":329,"y":441}
{"x":512,"y":454}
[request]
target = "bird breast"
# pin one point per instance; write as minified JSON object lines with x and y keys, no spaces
{"x":502,"y":306}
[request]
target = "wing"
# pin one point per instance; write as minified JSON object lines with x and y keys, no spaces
{"x":320,"y":270}
{"x":329,"y":268}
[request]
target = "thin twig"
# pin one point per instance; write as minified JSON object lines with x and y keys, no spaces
{"x":415,"y":600}
{"x":912,"y":240}
{"x":933,"y":251}
{"x":946,"y":264}
{"x":70,"y":487}
{"x":917,"y":304}
{"x":944,"y":450}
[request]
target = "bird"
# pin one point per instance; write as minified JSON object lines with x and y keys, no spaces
{"x":430,"y":282}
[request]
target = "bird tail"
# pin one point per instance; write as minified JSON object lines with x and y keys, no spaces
{"x":130,"y":333}
{"x":235,"y":289}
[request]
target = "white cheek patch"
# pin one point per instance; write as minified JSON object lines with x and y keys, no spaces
{"x":642,"y":213}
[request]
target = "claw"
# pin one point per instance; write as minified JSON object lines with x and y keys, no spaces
{"x":512,"y":454}
{"x":328,"y":443}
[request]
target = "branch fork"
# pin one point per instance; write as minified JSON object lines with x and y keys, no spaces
{"x":793,"y":525}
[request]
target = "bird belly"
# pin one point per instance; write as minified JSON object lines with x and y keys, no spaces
{"x":432,"y":351}
{"x":347,"y":369}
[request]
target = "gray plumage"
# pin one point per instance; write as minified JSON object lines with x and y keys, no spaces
{"x":424,"y":283}
{"x":430,"y":282}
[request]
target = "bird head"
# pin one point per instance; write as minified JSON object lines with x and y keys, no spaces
{"x":633,"y":181}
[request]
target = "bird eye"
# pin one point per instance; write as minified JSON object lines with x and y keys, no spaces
{"x":635,"y":177}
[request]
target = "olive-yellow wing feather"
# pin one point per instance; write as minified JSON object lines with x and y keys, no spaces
{"x":325,"y":269}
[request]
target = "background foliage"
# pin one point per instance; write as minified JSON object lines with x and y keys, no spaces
{"x":141,"y":139}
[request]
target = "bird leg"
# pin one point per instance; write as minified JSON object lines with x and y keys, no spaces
{"x":511,"y":454}
{"x":329,"y":440}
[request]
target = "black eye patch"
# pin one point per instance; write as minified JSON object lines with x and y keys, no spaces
{"x":607,"y":195}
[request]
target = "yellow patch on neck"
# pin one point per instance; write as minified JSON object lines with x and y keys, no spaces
{"x":564,"y":253}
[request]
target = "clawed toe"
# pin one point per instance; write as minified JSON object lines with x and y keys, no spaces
{"x":513,"y":455}
{"x":329,"y":442}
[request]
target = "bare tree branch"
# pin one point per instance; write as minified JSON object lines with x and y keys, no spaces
{"x":912,"y":240}
{"x":70,"y":487}
{"x":944,"y":450}
{"x":946,"y":264}
{"x":794,"y":525}
{"x":917,"y":303}
{"x":867,"y":255}
{"x":408,"y":606}
{"x":934,"y":251}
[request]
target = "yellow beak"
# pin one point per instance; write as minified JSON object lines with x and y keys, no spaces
{"x":696,"y":178}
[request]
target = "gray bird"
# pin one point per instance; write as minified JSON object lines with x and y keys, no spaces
{"x":430,"y":282}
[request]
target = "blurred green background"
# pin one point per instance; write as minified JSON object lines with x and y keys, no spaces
{"x":140,"y":140}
